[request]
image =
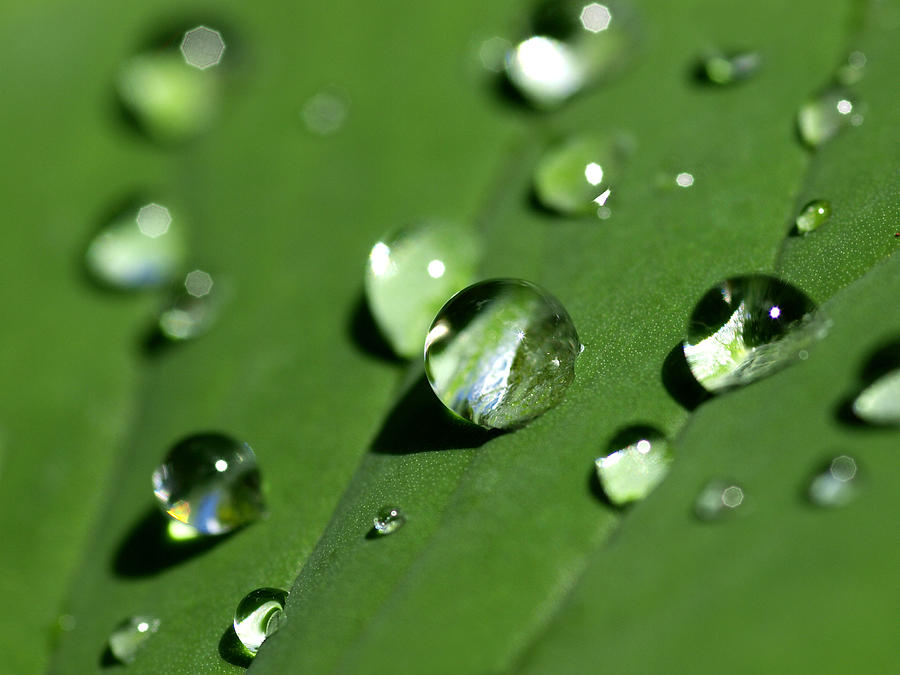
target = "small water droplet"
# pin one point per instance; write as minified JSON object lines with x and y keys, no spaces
{"x":823,"y":116}
{"x":746,"y":328}
{"x":389,"y":519}
{"x":411,"y":274}
{"x":137,"y":250}
{"x":722,"y":68}
{"x":634,"y":469}
{"x":574,"y":176}
{"x":879,"y":403}
{"x":193,"y":308}
{"x":191,"y":487}
{"x":501,"y":353}
{"x":202,"y":47}
{"x":813,"y":215}
{"x":131,"y":635}
{"x":258,"y":616}
{"x":837,"y":485}
{"x":852,"y":70}
{"x":718,"y":499}
{"x":325,"y":112}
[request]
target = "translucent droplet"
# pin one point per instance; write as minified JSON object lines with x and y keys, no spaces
{"x":389,"y":519}
{"x":813,"y":215}
{"x":852,"y":70}
{"x":170,"y":100}
{"x":823,"y":116}
{"x":138,"y":250}
{"x":879,"y":403}
{"x":837,"y":485}
{"x":258,"y":616}
{"x":193,"y":308}
{"x":202,"y":47}
{"x":501,"y":353}
{"x":210,"y":482}
{"x":746,"y":328}
{"x":411,"y":274}
{"x":128,"y":638}
{"x":718,"y":499}
{"x":631,"y":472}
{"x":575,"y":176}
{"x":724,"y":69}
{"x":325,"y":112}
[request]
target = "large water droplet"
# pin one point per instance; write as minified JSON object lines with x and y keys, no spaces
{"x":724,"y":69}
{"x":879,"y":403}
{"x":718,"y":499}
{"x":813,"y":215}
{"x":138,"y":250}
{"x":501,"y":352}
{"x":746,"y":328}
{"x":258,"y":616}
{"x":389,"y":519}
{"x":210,"y":482}
{"x":129,"y":636}
{"x":411,"y":274}
{"x":837,"y":485}
{"x":193,"y":308}
{"x":634,"y":469}
{"x":575,"y":176}
{"x":823,"y":116}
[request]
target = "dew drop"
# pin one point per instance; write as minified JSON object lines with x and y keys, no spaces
{"x":202,"y":47}
{"x":746,"y":328}
{"x":501,"y":353}
{"x":211,"y":483}
{"x":813,"y":215}
{"x":410,"y":275}
{"x":130,"y":636}
{"x":389,"y":519}
{"x":575,"y":176}
{"x":635,"y":468}
{"x":258,"y":616}
{"x":193,"y":307}
{"x":837,"y":485}
{"x":823,"y":116}
{"x":139,"y":249}
{"x":718,"y":499}
{"x":879,"y":403}
{"x":723,"y":69}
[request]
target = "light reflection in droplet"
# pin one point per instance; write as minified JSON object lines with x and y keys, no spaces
{"x":202,"y":47}
{"x":593,"y":172}
{"x":595,"y":17}
{"x":546,"y":70}
{"x":153,"y":220}
{"x":380,"y":259}
{"x":844,"y":106}
{"x":436,"y":269}
{"x":684,"y":179}
{"x":325,"y":112}
{"x":600,"y":200}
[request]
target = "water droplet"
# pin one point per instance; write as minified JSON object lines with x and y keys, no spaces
{"x":389,"y":519}
{"x":852,"y":70}
{"x":823,"y":116}
{"x":718,"y":499}
{"x":128,"y":638}
{"x":138,"y":250}
{"x":325,"y":112}
{"x":501,"y":353}
{"x":202,"y":47}
{"x":879,"y":403}
{"x":193,"y":308}
{"x":258,"y":616}
{"x":575,"y":176}
{"x":724,"y":69}
{"x":746,"y":328}
{"x":210,"y":482}
{"x":837,"y":485}
{"x":411,"y":274}
{"x":636,"y":467}
{"x":813,"y":215}
{"x":170,"y":100}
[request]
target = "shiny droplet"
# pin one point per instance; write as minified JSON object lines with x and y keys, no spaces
{"x":631,"y":472}
{"x":813,"y":215}
{"x":823,"y":116}
{"x":718,"y":499}
{"x":140,"y":249}
{"x":193,"y":308}
{"x":837,"y":485}
{"x":722,"y":69}
{"x":410,"y":275}
{"x":389,"y":519}
{"x":879,"y":403}
{"x":258,"y":616}
{"x":202,"y":47}
{"x":501,"y":353}
{"x":746,"y":328}
{"x":576,"y":175}
{"x":129,"y":636}
{"x":210,"y":482}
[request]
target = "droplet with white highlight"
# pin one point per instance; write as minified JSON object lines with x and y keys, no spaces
{"x":130,"y":636}
{"x":639,"y":461}
{"x":258,"y":615}
{"x":821,"y":117}
{"x":718,"y":499}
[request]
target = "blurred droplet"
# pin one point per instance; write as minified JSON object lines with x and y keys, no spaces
{"x":837,"y":485}
{"x":631,"y":472}
{"x":202,"y":47}
{"x":258,"y":615}
{"x":501,"y":353}
{"x":130,"y":636}
{"x":193,"y":308}
{"x":823,"y":116}
{"x":718,"y":499}
{"x":852,"y":70}
{"x":723,"y":69}
{"x":389,"y":519}
{"x":325,"y":112}
{"x":879,"y":403}
{"x":813,"y":215}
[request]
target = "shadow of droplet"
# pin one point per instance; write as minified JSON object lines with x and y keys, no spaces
{"x":419,"y":422}
{"x":365,"y":334}
{"x":596,"y":489}
{"x":373,"y":534}
{"x":232,"y":650}
{"x":680,"y":382}
{"x":147,"y":549}
{"x":108,"y":659}
{"x":881,"y":361}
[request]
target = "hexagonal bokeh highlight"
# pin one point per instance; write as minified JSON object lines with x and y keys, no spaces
{"x":202,"y":47}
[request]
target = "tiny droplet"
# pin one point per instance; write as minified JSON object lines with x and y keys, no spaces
{"x":718,"y":499}
{"x":631,"y":472}
{"x":724,"y":69}
{"x":823,"y":116}
{"x":837,"y":485}
{"x":813,"y":215}
{"x":130,"y":636}
{"x":389,"y":519}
